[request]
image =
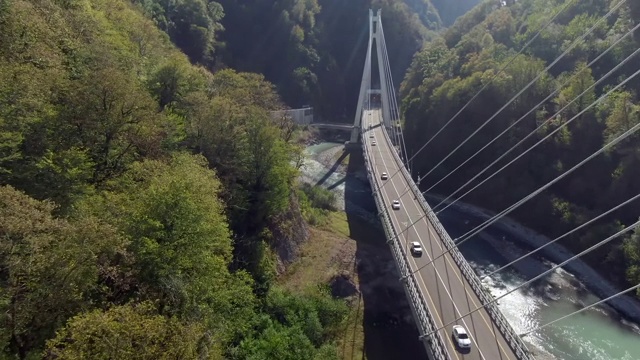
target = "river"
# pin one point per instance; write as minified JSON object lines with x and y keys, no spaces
{"x":596,"y":334}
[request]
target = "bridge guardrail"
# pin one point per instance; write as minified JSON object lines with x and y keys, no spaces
{"x":514,"y":341}
{"x":425,"y":322}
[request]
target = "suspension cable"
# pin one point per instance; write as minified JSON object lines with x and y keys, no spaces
{"x":561,"y":237}
{"x":390,"y":99}
{"x":560,"y":87}
{"x":581,"y":310}
{"x":390,"y":90}
{"x":571,"y":47}
{"x":504,"y":154}
{"x":470,"y":234}
{"x":496,"y":217}
{"x":395,"y":100}
{"x":563,"y":125}
{"x":593,"y":247}
{"x":500,"y":71}
{"x":384,"y":65}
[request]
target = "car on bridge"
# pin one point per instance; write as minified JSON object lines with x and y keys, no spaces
{"x":395,"y":205}
{"x":460,"y":336}
{"x":416,"y":249}
{"x":373,"y":143}
{"x":371,"y":136}
{"x":384,"y":176}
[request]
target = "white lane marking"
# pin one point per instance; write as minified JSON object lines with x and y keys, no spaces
{"x":427,"y":252}
{"x":449,"y":345}
{"x":454,"y":267}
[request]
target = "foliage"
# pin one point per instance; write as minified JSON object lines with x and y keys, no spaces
{"x":113,"y":218}
{"x":191,"y":24}
{"x":298,"y":326}
{"x":50,"y":268}
{"x":319,"y":197}
{"x":180,"y":240}
{"x":127,"y":332}
{"x":316,"y":203}
{"x":313,"y":50}
{"x":447,"y":73}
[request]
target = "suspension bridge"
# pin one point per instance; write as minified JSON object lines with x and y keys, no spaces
{"x":442,"y":288}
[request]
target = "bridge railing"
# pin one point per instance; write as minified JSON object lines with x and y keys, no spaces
{"x":514,"y":341}
{"x":418,"y":303}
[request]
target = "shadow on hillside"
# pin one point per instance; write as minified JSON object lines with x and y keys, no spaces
{"x":389,"y":331}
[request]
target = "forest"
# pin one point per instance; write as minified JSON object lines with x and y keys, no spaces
{"x":146,"y":191}
{"x":309,"y":49}
{"x":586,"y":110}
{"x":142,"y":194}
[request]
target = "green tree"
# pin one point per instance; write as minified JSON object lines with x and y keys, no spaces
{"x":447,"y":73}
{"x":278,"y":342}
{"x":50,"y":269}
{"x":128,"y":332}
{"x":181,"y":242}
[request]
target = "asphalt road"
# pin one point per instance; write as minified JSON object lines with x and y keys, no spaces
{"x":446,"y":291}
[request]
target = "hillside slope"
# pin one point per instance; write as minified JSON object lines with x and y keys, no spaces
{"x":449,"y":71}
{"x":141,"y":197}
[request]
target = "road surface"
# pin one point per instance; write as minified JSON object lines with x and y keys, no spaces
{"x":447,"y":293}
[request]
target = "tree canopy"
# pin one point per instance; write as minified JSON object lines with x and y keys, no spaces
{"x":140,"y":192}
{"x":448,"y":72}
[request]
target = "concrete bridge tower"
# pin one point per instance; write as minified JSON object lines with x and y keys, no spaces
{"x":375,"y":24}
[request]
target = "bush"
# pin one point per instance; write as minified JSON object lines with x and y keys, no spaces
{"x":295,"y":326}
{"x":316,"y":203}
{"x":318,"y":197}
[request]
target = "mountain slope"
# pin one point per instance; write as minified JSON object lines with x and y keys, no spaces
{"x":312,"y":50}
{"x":141,"y":196}
{"x":449,"y":71}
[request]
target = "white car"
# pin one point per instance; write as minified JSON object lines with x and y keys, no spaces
{"x":371,"y":136}
{"x":416,"y":248}
{"x":461,"y":337}
{"x":384,"y":176}
{"x":396,"y":205}
{"x":373,"y":143}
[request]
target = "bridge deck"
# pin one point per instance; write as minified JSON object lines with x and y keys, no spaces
{"x":333,"y":126}
{"x":446,"y":291}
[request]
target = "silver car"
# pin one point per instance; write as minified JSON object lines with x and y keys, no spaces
{"x":395,"y":205}
{"x":461,"y":337}
{"x":416,"y":249}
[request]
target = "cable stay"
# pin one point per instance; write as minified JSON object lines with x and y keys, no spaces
{"x":500,"y":71}
{"x":573,"y":45}
{"x":395,"y":107}
{"x":553,"y":268}
{"x":561,"y":236}
{"x":469,"y":235}
{"x":508,"y":210}
{"x":541,"y":103}
{"x":581,"y":310}
{"x":549,"y":119}
{"x":533,"y":132}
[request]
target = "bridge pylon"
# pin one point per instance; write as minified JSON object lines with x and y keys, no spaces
{"x":364,"y":99}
